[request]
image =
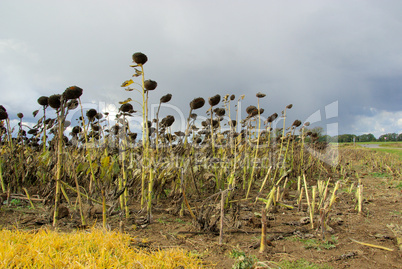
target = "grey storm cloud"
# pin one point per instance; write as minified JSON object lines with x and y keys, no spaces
{"x":309,"y":53}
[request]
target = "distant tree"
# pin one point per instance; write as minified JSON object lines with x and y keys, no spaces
{"x":318,"y":130}
{"x":324,"y":138}
{"x":388,"y":137}
{"x":366,"y":138}
{"x":399,"y":138}
{"x":346,"y":138}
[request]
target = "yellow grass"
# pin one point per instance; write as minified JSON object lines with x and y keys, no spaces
{"x":82,"y":249}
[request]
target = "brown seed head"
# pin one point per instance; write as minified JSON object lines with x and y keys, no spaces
{"x":251,"y":111}
{"x":289,"y":106}
{"x":296,"y":123}
{"x":132,"y":136}
{"x":77,"y":129}
{"x":91,"y":114}
{"x":95,"y":127}
{"x":72,"y":104}
{"x":179,"y":133}
{"x":127,"y":108}
{"x":55,"y":101}
{"x":166,"y":98}
{"x":214,"y":100}
{"x":140,"y":58}
{"x":150,"y":85}
{"x":260,"y":95}
{"x":72,"y":92}
{"x":43,"y":101}
{"x":197,"y":103}
{"x":167,"y":121}
{"x":219,"y":111}
{"x":3,"y":115}
{"x":20,"y":115}
{"x":33,"y":131}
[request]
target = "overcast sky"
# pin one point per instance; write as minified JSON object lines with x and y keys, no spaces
{"x":338,"y":62}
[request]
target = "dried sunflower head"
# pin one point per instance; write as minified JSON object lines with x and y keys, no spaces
{"x":115,"y":129}
{"x":20,"y":115}
{"x":3,"y":115}
{"x":127,"y":108}
{"x":232,"y":97}
{"x":72,"y":92}
{"x":166,"y":98}
{"x":77,"y":129}
{"x":220,"y":111}
{"x":167,"y":121}
{"x":33,"y":131}
{"x":72,"y":104}
{"x":250,"y":109}
{"x":95,"y":127}
{"x":91,"y":113}
{"x":179,"y":133}
{"x":272,"y":117}
{"x":54,"y":101}
{"x":140,"y":58}
{"x":43,"y":101}
{"x":296,"y":123}
{"x":289,"y":106}
{"x":132,"y":136}
{"x":150,"y":85}
{"x":197,"y":103}
{"x":148,"y":125}
{"x":260,"y":95}
{"x":214,"y":100}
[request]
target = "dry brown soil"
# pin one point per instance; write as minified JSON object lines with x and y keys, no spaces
{"x":291,"y":239}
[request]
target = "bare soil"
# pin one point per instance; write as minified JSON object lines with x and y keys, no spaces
{"x":290,"y":236}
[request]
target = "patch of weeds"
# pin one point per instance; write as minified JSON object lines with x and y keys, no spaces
{"x":316,"y":243}
{"x":242,"y":261}
{"x":167,"y":192}
{"x":380,"y":174}
{"x":161,"y":221}
{"x":396,"y":212}
{"x":347,"y":190}
{"x":179,"y":220}
{"x":398,"y":185}
{"x":15,"y":202}
{"x":302,"y":264}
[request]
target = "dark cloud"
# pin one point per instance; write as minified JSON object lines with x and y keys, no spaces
{"x":310,"y":54}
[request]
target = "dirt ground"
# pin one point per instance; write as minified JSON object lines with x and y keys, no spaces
{"x":290,"y":235}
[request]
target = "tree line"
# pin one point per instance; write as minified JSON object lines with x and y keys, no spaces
{"x":393,"y":137}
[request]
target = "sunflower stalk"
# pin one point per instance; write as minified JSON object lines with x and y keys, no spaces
{"x":60,"y":119}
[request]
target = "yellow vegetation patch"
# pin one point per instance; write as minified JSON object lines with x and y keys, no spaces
{"x":83,"y":249}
